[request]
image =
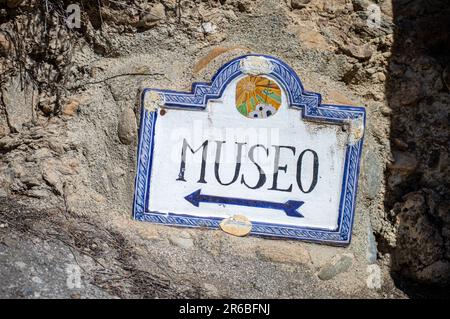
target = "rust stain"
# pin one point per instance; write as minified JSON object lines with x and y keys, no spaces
{"x":335,"y":97}
{"x":212,"y":54}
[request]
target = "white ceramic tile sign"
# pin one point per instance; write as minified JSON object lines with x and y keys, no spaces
{"x":254,"y":144}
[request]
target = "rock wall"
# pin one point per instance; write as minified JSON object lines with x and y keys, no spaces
{"x":68,"y":131}
{"x":417,"y":91}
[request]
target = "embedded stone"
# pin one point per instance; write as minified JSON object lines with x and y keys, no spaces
{"x":5,"y":44}
{"x":127,"y":129}
{"x":281,"y":252}
{"x":20,"y":100}
{"x":71,"y":107}
{"x":237,"y":225}
{"x":157,"y":13}
{"x":209,"y":27}
{"x":404,"y":162}
{"x":374,"y":170}
{"x":299,"y":4}
{"x":337,"y":265}
{"x":182,"y":240}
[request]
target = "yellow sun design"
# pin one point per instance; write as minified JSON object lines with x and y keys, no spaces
{"x":253,"y":91}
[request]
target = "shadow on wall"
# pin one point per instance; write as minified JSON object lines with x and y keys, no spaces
{"x":418,"y":180}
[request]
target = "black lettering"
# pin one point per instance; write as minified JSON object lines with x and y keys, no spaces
{"x":315,"y":171}
{"x":183,"y":161}
{"x":238,"y":162}
{"x":277,"y":168}
{"x":262,"y":175}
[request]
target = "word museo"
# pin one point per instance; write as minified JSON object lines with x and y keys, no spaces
{"x":277,"y":166}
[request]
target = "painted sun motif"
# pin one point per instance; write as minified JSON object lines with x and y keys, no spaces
{"x":257,"y":97}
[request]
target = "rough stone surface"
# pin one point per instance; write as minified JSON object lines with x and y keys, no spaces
{"x":19,"y":100}
{"x":336,"y":266}
{"x":182,"y":240}
{"x":67,"y":157}
{"x":299,"y":4}
{"x":372,"y":246}
{"x":418,"y":177}
{"x":155,"y":14}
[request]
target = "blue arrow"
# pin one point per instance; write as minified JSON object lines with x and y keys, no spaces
{"x":290,"y":207}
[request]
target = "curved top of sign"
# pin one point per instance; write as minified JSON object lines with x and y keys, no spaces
{"x":256,"y":64}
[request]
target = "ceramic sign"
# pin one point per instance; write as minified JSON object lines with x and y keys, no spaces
{"x":252,"y":143}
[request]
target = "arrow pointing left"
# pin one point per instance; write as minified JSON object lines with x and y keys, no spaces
{"x":290,"y":207}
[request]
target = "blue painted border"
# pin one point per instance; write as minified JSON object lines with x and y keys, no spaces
{"x":309,"y":103}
